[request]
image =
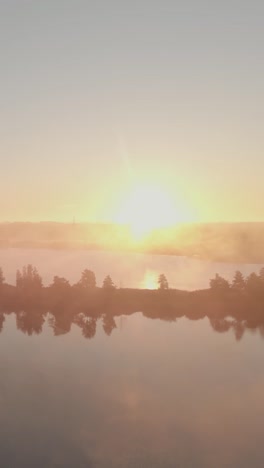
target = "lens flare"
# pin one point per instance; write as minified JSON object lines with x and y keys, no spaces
{"x":147,"y":208}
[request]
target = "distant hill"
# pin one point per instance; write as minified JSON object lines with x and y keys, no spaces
{"x":63,"y":235}
{"x":224,"y":242}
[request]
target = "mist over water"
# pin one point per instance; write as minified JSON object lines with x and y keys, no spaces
{"x":128,"y":270}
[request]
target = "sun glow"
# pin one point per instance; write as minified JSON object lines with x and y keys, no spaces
{"x":150,"y":280}
{"x":147,"y":208}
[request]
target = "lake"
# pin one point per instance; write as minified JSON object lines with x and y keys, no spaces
{"x":128,"y":391}
{"x":128,"y":270}
{"x":148,"y":393}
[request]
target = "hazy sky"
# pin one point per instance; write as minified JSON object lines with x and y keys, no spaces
{"x":97,"y":96}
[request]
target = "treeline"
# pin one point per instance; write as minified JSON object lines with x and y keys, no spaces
{"x":82,"y":296}
{"x":237,"y":305}
{"x":253,"y":284}
{"x":28,"y":279}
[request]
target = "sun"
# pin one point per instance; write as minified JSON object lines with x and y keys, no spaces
{"x":146,"y":208}
{"x":150,"y":280}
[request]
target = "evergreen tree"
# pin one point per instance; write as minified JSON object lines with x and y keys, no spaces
{"x":108,"y":283}
{"x":88,"y":280}
{"x":2,"y":278}
{"x":238,"y":283}
{"x":261,"y":275}
{"x":18,"y":279}
{"x":28,"y":279}
{"x":254,"y":284}
{"x":60,"y":284}
{"x":219,"y":284}
{"x":162,"y":281}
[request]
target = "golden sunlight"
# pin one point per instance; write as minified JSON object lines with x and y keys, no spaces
{"x":150,"y":280}
{"x":147,"y":208}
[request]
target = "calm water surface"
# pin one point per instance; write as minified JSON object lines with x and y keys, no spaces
{"x":149,"y":394}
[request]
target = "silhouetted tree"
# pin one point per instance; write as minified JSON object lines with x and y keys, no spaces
{"x":88,"y":280}
{"x":238,"y":283}
{"x":261,"y":275}
{"x":254,"y":284}
{"x":162,"y":281}
{"x":219,"y":284}
{"x":28,"y":279}
{"x":2,"y":278}
{"x":60,"y":293}
{"x":29,"y":285}
{"x":60,"y":284}
{"x":108,"y":283}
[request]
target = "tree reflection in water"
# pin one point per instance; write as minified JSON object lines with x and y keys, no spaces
{"x":87,"y":325}
{"x":30,"y":321}
{"x":235,"y":307}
